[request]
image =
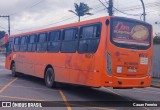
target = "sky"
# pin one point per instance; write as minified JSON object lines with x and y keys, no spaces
{"x":29,"y":15}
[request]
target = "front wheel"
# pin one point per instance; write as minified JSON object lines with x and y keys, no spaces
{"x":13,"y":69}
{"x":50,"y":78}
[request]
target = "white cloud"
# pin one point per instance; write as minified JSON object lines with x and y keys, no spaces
{"x":35,"y":14}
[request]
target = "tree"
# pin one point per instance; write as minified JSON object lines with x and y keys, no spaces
{"x":81,"y":10}
{"x":156,"y":40}
{"x":2,"y":34}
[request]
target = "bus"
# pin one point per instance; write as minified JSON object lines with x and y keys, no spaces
{"x":103,"y":52}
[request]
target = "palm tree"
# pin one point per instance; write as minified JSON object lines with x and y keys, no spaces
{"x":81,"y":10}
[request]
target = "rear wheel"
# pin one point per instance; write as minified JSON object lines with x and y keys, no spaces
{"x":13,"y":68}
{"x":50,"y":78}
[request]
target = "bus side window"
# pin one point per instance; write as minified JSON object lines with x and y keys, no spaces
{"x":32,"y":43}
{"x":42,"y":42}
{"x":16,"y":46}
{"x":23,"y":44}
{"x":54,"y":41}
{"x":69,"y":40}
{"x":89,"y":38}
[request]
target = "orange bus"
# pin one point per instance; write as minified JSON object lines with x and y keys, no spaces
{"x":108,"y":51}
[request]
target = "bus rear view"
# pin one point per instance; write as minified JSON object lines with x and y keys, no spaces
{"x":129,"y":53}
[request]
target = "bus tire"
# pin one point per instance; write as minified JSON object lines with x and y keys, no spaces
{"x":50,"y":78}
{"x":13,"y":69}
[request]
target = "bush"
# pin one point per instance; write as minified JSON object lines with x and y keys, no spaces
{"x":156,"y":40}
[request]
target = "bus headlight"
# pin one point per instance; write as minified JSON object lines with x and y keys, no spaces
{"x":109,"y":63}
{"x":150,"y":66}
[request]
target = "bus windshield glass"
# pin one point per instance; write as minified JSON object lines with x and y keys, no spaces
{"x":128,"y":33}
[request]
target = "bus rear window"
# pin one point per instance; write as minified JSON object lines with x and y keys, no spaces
{"x":130,"y":33}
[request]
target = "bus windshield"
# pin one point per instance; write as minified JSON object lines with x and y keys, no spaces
{"x":128,"y":33}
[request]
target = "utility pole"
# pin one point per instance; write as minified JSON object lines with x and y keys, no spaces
{"x":8,"y":23}
{"x":110,"y":8}
{"x":144,"y":12}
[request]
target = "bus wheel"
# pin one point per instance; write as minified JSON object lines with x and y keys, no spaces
{"x":14,"y":73}
{"x":50,"y":78}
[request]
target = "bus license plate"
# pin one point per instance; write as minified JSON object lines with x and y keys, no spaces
{"x":132,"y":70}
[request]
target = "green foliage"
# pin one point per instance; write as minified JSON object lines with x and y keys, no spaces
{"x":2,"y":34}
{"x":81,"y":10}
{"x":156,"y":40}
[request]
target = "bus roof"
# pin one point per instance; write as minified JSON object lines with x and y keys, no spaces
{"x":74,"y":24}
{"x":61,"y":26}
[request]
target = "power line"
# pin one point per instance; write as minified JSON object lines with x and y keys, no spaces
{"x":35,"y":4}
{"x":95,"y":7}
{"x":134,"y":8}
{"x":119,"y":10}
{"x":94,"y":12}
{"x":139,"y":6}
{"x":48,"y":24}
{"x":103,"y":4}
{"x":126,"y":13}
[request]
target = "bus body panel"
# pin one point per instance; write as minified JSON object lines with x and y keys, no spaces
{"x":89,"y":69}
{"x":80,"y":66}
{"x":8,"y":61}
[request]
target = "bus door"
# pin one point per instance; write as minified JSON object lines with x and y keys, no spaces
{"x":17,"y":56}
{"x":9,"y":46}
